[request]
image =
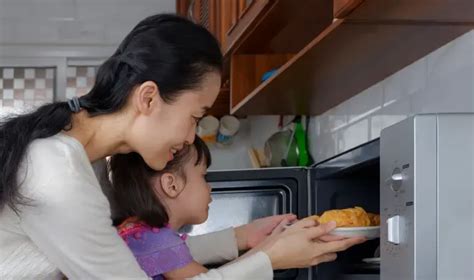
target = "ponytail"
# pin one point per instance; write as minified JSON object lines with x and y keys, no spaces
{"x":169,"y":50}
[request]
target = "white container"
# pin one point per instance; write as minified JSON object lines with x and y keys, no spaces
{"x":229,"y":126}
{"x":207,"y":129}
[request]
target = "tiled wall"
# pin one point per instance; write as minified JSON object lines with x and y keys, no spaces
{"x":253,"y":133}
{"x":443,"y":81}
{"x":22,"y":87}
{"x":80,"y":80}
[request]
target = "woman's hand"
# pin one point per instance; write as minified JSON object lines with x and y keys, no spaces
{"x":250,"y":235}
{"x":299,"y":245}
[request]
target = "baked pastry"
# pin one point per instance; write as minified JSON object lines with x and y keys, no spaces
{"x":349,"y":217}
{"x":374,"y":219}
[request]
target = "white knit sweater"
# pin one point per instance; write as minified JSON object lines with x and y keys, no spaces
{"x":68,"y":228}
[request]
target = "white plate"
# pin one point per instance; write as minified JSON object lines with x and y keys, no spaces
{"x":367,"y":232}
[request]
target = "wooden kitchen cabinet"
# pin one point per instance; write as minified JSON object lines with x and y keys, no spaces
{"x":367,"y":41}
{"x":324,"y":51}
{"x":221,"y":18}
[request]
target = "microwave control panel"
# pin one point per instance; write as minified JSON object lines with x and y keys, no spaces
{"x":404,"y":196}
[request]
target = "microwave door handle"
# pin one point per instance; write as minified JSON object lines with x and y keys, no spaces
{"x":393,"y":229}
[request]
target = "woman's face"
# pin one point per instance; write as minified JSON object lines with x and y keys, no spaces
{"x":161,"y":129}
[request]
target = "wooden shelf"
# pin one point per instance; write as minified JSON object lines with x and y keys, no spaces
{"x":374,"y":41}
{"x":247,"y":70}
{"x":280,"y":26}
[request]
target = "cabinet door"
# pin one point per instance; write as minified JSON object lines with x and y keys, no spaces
{"x":242,"y":15}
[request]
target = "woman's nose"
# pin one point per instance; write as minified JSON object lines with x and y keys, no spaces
{"x":191,"y":136}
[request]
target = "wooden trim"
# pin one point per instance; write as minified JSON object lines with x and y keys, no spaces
{"x":342,"y":8}
{"x":237,"y":30}
{"x":182,"y":7}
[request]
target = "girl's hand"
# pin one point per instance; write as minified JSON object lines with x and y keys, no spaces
{"x":250,"y":235}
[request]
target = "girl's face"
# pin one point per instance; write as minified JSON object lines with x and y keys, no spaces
{"x":195,"y":197}
{"x":160,"y":129}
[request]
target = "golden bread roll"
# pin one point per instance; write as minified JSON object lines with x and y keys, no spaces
{"x":349,"y":217}
{"x":374,"y":219}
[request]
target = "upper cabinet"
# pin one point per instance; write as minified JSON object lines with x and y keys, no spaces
{"x":220,"y":18}
{"x":307,"y":56}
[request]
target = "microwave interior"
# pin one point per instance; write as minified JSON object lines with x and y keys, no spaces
{"x":347,"y":183}
{"x":241,"y":205}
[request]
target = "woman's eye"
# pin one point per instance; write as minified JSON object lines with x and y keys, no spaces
{"x":197,"y":119}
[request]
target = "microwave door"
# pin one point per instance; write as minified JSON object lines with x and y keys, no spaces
{"x":241,"y":196}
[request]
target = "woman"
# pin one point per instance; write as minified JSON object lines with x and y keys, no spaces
{"x":147,"y":98}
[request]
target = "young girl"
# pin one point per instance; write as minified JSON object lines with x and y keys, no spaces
{"x":158,"y":204}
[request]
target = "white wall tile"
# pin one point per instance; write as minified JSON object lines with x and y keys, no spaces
{"x":261,"y":128}
{"x":354,"y":135}
{"x":40,"y":83}
{"x":30,"y":73}
{"x":18,"y":103}
{"x":335,"y":119}
{"x":449,"y":58}
{"x":29,"y":94}
{"x":8,"y":73}
{"x":451,"y":93}
{"x":406,"y":82}
{"x":19,"y":84}
{"x":81,"y":82}
{"x":365,"y":103}
{"x":8,"y":94}
{"x":323,"y":146}
{"x":443,"y":81}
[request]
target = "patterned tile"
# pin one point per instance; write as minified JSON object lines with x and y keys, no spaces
{"x":80,"y":80}
{"x":25,"y":87}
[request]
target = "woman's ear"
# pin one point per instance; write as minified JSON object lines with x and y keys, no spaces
{"x":147,"y":98}
{"x":171,"y":185}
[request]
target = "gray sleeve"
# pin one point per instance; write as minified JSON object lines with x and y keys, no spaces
{"x":215,"y":247}
{"x":256,"y":266}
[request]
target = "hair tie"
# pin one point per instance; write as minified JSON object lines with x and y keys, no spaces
{"x":74,"y":104}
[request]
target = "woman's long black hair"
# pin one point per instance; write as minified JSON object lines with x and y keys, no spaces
{"x":170,"y":50}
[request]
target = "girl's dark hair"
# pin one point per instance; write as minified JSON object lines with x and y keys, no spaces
{"x":132,"y":183}
{"x":170,"y":50}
